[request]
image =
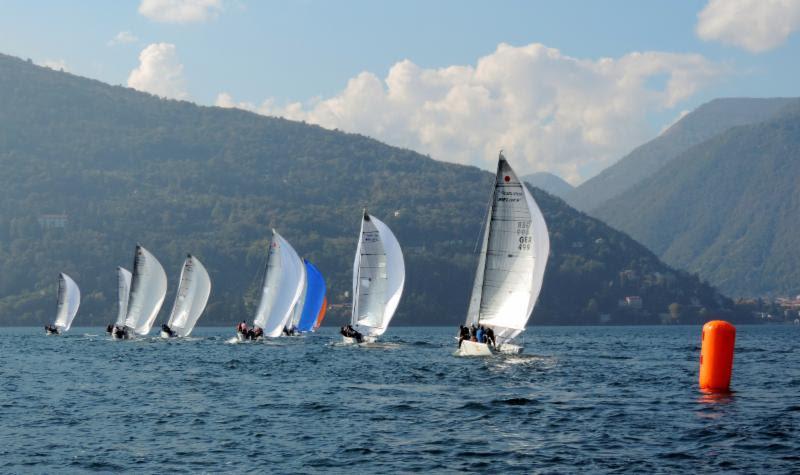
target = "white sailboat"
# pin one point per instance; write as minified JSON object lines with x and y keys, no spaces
{"x":123,"y":293}
{"x":147,"y":292}
{"x":69,"y":299}
{"x":379,"y":274}
{"x":511,"y":264}
{"x":284,"y":281}
{"x":190,"y":300}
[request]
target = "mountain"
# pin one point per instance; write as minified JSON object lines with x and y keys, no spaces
{"x":550,"y":183}
{"x":728,"y":208}
{"x":699,"y":125}
{"x":89,"y":170}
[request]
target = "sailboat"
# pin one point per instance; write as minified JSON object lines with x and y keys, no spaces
{"x":314,"y":301}
{"x":123,"y":293}
{"x":190,"y":300}
{"x":379,"y":274}
{"x":284,"y":281}
{"x":511,"y":265}
{"x":290,"y":328}
{"x":147,"y":292}
{"x":69,"y":299}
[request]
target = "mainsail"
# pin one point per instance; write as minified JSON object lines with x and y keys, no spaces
{"x":148,"y":289}
{"x":123,"y":293}
{"x":314,"y":298}
{"x":283,"y":283}
{"x":513,"y":258}
{"x":69,"y":299}
{"x":191,"y":298}
{"x":378,"y":277}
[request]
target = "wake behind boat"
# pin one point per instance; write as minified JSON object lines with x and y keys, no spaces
{"x":510,"y":269}
{"x":194,"y":289}
{"x":69,"y":299}
{"x":379,"y":275}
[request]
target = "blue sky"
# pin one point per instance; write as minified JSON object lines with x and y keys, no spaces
{"x":268,"y":55}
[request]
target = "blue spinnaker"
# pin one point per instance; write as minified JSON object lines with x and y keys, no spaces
{"x":315,"y":295}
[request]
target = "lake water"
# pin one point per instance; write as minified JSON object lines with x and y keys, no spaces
{"x":581,"y":399}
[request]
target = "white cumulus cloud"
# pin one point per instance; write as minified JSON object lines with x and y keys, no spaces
{"x":180,"y":11}
{"x":755,"y":25}
{"x":549,"y":111}
{"x":159,"y":72}
{"x":123,"y":37}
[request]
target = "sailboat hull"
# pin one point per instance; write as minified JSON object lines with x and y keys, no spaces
{"x":473,"y":348}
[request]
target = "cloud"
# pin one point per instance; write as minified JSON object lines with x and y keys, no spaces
{"x":549,"y":111}
{"x":755,"y":25}
{"x":180,"y":11}
{"x":160,"y":72}
{"x":123,"y":37}
{"x":56,"y":64}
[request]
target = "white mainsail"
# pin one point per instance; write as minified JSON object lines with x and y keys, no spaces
{"x":284,"y":281}
{"x":148,"y":289}
{"x":513,"y":258}
{"x":191,"y":298}
{"x":123,"y":293}
{"x":379,"y":274}
{"x":69,"y":299}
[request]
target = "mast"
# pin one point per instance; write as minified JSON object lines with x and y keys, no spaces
{"x":357,"y":271}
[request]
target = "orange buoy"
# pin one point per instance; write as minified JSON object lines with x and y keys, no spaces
{"x":716,"y":355}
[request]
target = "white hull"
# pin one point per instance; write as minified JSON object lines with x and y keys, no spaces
{"x":473,"y":348}
{"x":349,"y":341}
{"x":165,"y":335}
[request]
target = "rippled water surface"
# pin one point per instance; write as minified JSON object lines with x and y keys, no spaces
{"x":602,"y":399}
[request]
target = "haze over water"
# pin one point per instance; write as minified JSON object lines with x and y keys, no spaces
{"x":620,"y":399}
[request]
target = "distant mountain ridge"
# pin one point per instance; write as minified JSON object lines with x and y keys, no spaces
{"x":728,"y":208}
{"x":89,"y":170}
{"x":706,"y":121}
{"x":553,"y":184}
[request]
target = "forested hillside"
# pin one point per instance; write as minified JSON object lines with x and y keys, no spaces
{"x":89,"y":170}
{"x":699,"y":125}
{"x":728,"y":208}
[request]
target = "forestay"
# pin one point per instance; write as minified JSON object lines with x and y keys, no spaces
{"x":283,"y":284}
{"x":148,"y":289}
{"x":513,"y":258}
{"x":314,"y":298}
{"x":378,"y":277}
{"x":69,"y":299}
{"x":191,"y":298}
{"x":123,"y":293}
